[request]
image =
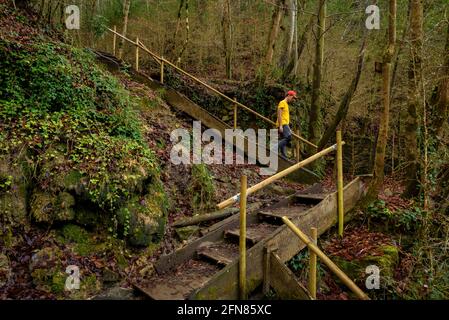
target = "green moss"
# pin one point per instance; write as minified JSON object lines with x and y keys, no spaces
{"x":83,"y":242}
{"x":201,"y":189}
{"x":13,"y":189}
{"x":386,"y":262}
{"x":48,"y":207}
{"x":58,"y":282}
{"x":185,"y":233}
{"x":143,"y":218}
{"x":47,"y":270}
{"x":74,"y":233}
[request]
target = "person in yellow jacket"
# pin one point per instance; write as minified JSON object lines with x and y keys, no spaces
{"x":283,"y":122}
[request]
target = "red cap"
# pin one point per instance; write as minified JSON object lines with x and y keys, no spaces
{"x":292,"y":93}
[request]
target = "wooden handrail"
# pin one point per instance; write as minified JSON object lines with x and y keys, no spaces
{"x":277,"y":176}
{"x":328,"y":262}
{"x":162,"y":59}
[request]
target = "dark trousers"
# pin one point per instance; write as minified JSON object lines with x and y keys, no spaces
{"x":286,"y":137}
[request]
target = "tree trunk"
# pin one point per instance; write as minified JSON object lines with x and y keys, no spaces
{"x":382,"y":136}
{"x":272,"y":37}
{"x":186,"y":41}
{"x":227,"y":37}
{"x":291,"y":35}
{"x":315,"y":121}
{"x":126,"y":7}
{"x":415,"y":98}
{"x":293,"y":64}
{"x":344,"y":104}
{"x":442,"y":104}
{"x":399,"y":51}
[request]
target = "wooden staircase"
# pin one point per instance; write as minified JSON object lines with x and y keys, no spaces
{"x":207,"y":268}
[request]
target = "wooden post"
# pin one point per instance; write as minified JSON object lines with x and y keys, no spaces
{"x":242,"y":244}
{"x":137,"y":54}
{"x":235,"y":114}
{"x":328,"y":262}
{"x":114,"y":41}
{"x":312,"y":264}
{"x":162,"y":69}
{"x":340,"y":184}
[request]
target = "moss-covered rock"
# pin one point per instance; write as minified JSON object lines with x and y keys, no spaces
{"x":13,"y":189}
{"x":5,"y":269}
{"x":83,"y":243}
{"x":134,"y":180}
{"x":73,"y":181}
{"x":386,"y":262}
{"x":74,"y":233}
{"x":47,"y":271}
{"x":47,"y":207}
{"x":143,"y":218}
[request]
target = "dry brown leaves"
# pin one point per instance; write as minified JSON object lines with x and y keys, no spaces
{"x":357,"y":243}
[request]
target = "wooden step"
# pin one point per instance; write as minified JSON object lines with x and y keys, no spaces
{"x":222,"y":253}
{"x":291,"y":211}
{"x":179,"y":283}
{"x":254,"y":232}
{"x":309,"y":198}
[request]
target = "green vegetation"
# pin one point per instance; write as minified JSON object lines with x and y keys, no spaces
{"x":202,"y":189}
{"x":408,"y":220}
{"x":79,"y":139}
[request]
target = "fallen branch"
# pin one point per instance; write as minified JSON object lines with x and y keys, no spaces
{"x":220,"y":214}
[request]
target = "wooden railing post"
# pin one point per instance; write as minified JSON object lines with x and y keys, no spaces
{"x":137,"y":54}
{"x":235,"y":114}
{"x":162,"y":69}
{"x":114,"y":41}
{"x":312,"y":264}
{"x":242,"y":243}
{"x":340,"y":184}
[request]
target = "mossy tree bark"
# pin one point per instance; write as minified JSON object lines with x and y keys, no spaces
{"x":315,"y":117}
{"x":186,"y":41}
{"x":126,"y":7}
{"x":441,"y":113}
{"x":344,"y":104}
{"x":382,"y":136}
{"x":272,"y":37}
{"x":415,"y":99}
{"x":227,"y":37}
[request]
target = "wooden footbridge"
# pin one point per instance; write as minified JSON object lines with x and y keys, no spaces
{"x":218,"y":264}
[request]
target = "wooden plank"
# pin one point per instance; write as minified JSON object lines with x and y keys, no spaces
{"x":284,"y":282}
{"x":220,"y":253}
{"x":254,"y":233}
{"x":224,"y":284}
